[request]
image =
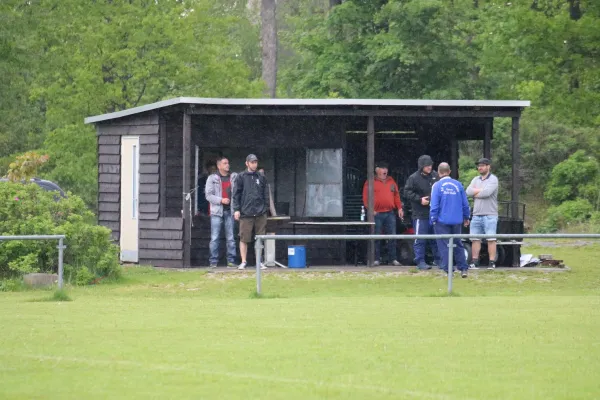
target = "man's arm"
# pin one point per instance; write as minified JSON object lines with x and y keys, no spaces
{"x":410,"y":190}
{"x":266,"y":193}
{"x":465,"y":204}
{"x":397,"y":201}
{"x":471,"y":187}
{"x":238,"y":188}
{"x":434,"y":208}
{"x":489,"y":189}
{"x":366,"y":194}
{"x":209,"y":192}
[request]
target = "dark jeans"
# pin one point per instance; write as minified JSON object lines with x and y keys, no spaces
{"x":424,"y":227}
{"x":458,"y":251}
{"x":385,"y":223}
{"x":216,"y":227}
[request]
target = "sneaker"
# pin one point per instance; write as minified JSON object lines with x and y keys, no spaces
{"x":212,"y":265}
{"x":263,"y":266}
{"x":231,"y":265}
{"x":492,"y":265}
{"x":423,"y":266}
{"x":242,"y":266}
{"x":396,"y":263}
{"x":463,"y":273}
{"x":376,"y":263}
{"x":474,"y":265}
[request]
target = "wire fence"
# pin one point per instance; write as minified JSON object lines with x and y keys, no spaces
{"x":451,"y":244}
{"x":60,"y":247}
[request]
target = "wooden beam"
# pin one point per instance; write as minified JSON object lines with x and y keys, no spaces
{"x":358,"y":113}
{"x":454,"y":157}
{"x":487,"y":139}
{"x":516,"y":166}
{"x":516,"y":184}
{"x":371,"y":179}
{"x":186,"y":203}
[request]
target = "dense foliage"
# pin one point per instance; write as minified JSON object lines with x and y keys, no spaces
{"x":61,"y":61}
{"x":26,"y":209}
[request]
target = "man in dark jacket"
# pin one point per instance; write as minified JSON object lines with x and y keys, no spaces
{"x":250,"y":205}
{"x":417,"y":190}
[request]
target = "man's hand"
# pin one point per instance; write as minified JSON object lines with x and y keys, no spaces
{"x":401,"y":213}
{"x":466,"y":222}
{"x":424,"y":201}
{"x":476,"y":191}
{"x":225,"y":201}
{"x":236,"y":215}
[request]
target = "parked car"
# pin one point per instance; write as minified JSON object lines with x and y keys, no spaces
{"x":44,"y":184}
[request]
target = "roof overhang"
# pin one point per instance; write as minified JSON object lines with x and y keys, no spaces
{"x":329,"y":107}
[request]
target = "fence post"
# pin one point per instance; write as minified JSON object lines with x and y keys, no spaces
{"x":450,"y":262}
{"x":60,"y":263}
{"x":258,"y":251}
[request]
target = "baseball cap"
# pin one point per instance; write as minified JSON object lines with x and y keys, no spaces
{"x":484,"y":161}
{"x":251,"y":157}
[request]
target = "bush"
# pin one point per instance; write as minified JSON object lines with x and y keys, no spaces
{"x":569,"y":212}
{"x":26,"y":209}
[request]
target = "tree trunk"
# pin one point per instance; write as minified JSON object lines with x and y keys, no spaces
{"x":575,"y":10}
{"x":269,"y":45}
{"x":333,"y":3}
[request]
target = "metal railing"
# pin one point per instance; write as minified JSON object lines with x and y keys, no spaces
{"x":60,"y":247}
{"x":260,"y":238}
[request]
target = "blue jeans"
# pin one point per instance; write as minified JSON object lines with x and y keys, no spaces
{"x":385,"y":223}
{"x":424,"y":227}
{"x":216,"y":225}
{"x":458,"y":251}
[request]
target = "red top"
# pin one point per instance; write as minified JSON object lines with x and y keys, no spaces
{"x":387,"y":196}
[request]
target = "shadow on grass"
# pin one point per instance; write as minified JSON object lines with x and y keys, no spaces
{"x":256,"y":295}
{"x":58,"y":295}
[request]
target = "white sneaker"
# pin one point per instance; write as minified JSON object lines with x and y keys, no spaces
{"x":263,"y":266}
{"x":242,"y":266}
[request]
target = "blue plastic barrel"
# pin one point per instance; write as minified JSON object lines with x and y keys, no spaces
{"x":296,"y":257}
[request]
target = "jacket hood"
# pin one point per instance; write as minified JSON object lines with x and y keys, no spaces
{"x":424,"y":161}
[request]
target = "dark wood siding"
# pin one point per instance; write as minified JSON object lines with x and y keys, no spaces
{"x":109,"y":168}
{"x":161,"y":242}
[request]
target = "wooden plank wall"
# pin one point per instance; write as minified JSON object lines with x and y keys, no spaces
{"x":160,"y":237}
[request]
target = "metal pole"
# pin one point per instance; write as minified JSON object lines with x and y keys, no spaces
{"x":258,"y":251}
{"x":60,"y":263}
{"x":450,"y":262}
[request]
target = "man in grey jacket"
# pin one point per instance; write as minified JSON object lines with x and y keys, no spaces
{"x":484,"y":189}
{"x":218,"y":190}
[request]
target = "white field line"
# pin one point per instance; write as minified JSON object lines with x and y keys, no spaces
{"x":236,"y":375}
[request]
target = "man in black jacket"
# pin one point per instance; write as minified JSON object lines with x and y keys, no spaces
{"x":418,"y":191}
{"x":250,"y":205}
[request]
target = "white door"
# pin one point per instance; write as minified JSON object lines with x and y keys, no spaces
{"x":130,"y":188}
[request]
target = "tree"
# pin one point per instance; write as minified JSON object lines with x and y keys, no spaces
{"x":269,"y":45}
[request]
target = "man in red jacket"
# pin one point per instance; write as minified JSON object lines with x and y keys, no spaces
{"x":387,"y":204}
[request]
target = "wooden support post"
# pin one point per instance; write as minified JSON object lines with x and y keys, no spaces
{"x":454,"y":157}
{"x":187,"y":187}
{"x":516,"y":184}
{"x":371,"y":191}
{"x":487,"y":140}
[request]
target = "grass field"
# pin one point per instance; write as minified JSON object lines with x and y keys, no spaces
{"x":174,"y":334}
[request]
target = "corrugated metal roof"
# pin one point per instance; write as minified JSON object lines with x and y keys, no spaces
{"x":310,"y":103}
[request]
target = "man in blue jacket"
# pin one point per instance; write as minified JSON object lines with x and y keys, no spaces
{"x":449,"y":210}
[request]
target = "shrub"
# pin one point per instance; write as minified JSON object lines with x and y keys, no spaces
{"x":569,"y":212}
{"x":26,"y":209}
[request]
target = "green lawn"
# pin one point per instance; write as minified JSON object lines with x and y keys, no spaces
{"x":173,"y":334}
